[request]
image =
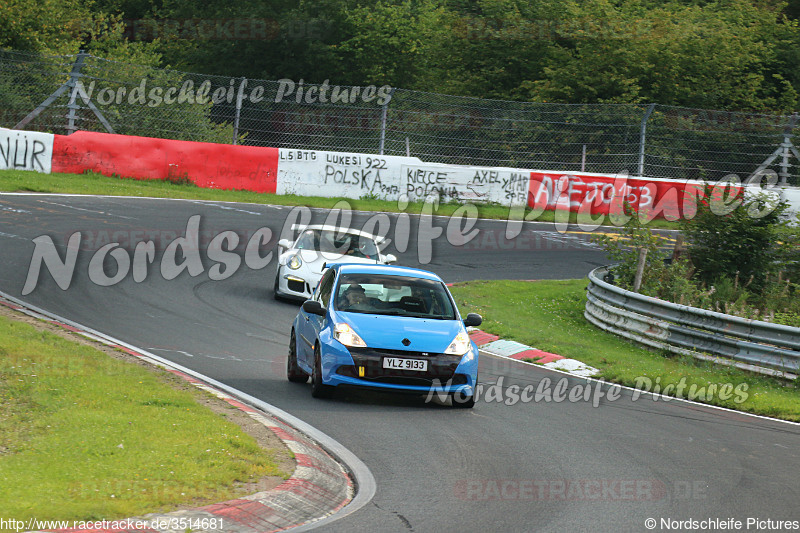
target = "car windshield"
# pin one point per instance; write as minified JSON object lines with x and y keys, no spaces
{"x":337,"y":242}
{"x":394,"y":295}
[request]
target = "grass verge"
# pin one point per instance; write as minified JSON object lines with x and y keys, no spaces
{"x":549,"y":316}
{"x":88,"y":435}
{"x":91,"y":183}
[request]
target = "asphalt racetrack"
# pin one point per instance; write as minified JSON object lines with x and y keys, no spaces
{"x":531,"y":466}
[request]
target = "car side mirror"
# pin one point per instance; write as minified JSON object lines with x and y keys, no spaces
{"x":473,"y":320}
{"x":389,"y":258}
{"x":313,"y":307}
{"x":285,"y":244}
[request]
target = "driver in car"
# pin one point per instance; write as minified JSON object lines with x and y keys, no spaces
{"x":355,"y":295}
{"x":359,"y":248}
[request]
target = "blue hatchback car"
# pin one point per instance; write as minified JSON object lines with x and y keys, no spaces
{"x":384,"y":327}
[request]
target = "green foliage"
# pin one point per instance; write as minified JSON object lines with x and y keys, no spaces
{"x":65,"y":27}
{"x":789,"y":252}
{"x":788,"y":318}
{"x":743,"y":259}
{"x":47,"y":28}
{"x":736,"y":240}
{"x":188,"y":120}
{"x":729,"y":54}
{"x":46,"y":25}
{"x":675,"y":52}
{"x":666,"y":280}
{"x":623,"y":248}
{"x":389,"y":43}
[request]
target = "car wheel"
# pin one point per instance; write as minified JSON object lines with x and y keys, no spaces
{"x":462,"y":401}
{"x":318,"y":389}
{"x":293,"y":371}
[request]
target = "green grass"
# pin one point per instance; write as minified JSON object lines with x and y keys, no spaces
{"x":85,"y":436}
{"x":91,"y":183}
{"x":548,"y":315}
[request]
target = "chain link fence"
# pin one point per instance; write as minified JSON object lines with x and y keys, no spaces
{"x":69,"y":93}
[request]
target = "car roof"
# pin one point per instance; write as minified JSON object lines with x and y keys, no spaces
{"x":388,"y":270}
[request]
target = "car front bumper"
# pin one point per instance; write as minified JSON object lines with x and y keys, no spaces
{"x":298,"y":284}
{"x":363,"y":367}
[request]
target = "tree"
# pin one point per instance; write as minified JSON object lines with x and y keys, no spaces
{"x":718,"y":55}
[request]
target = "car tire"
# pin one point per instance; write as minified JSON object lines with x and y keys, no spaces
{"x":462,"y":401}
{"x":318,"y":389}
{"x":293,"y":370}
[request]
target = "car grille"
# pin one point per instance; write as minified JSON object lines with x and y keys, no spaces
{"x":440,"y":367}
{"x":392,"y":377}
{"x":296,"y":286}
{"x":404,"y":353}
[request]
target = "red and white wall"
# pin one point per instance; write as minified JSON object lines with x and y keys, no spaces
{"x":607,"y":194}
{"x":210,"y":165}
{"x":26,"y":150}
{"x":336,"y":174}
{"x":347,"y":175}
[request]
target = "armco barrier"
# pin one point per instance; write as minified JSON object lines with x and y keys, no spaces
{"x":210,"y":165}
{"x":761,"y":346}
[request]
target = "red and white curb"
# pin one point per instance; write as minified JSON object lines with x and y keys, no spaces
{"x":494,"y":345}
{"x":319,"y":487}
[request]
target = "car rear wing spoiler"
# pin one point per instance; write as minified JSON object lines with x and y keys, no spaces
{"x":302,"y":227}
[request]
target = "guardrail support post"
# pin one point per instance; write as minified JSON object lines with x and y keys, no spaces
{"x":678,"y":251}
{"x":637,"y":282}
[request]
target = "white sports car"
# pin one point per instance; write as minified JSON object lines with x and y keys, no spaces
{"x":300,"y":264}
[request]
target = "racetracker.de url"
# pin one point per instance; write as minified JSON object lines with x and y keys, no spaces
{"x":175,"y":523}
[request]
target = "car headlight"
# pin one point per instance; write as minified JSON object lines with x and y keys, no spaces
{"x":459,"y":346}
{"x":294,"y":262}
{"x":345,"y":334}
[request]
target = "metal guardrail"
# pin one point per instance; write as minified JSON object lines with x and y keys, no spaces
{"x":750,"y":344}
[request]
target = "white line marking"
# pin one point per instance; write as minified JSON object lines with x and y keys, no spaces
{"x":12,"y":236}
{"x":87,"y":210}
{"x":218,"y":206}
{"x":641,"y":392}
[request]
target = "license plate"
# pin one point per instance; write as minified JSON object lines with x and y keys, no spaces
{"x":396,"y":363}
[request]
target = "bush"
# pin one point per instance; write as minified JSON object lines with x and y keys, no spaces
{"x":740,"y":243}
{"x":744,"y":262}
{"x":789,"y":252}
